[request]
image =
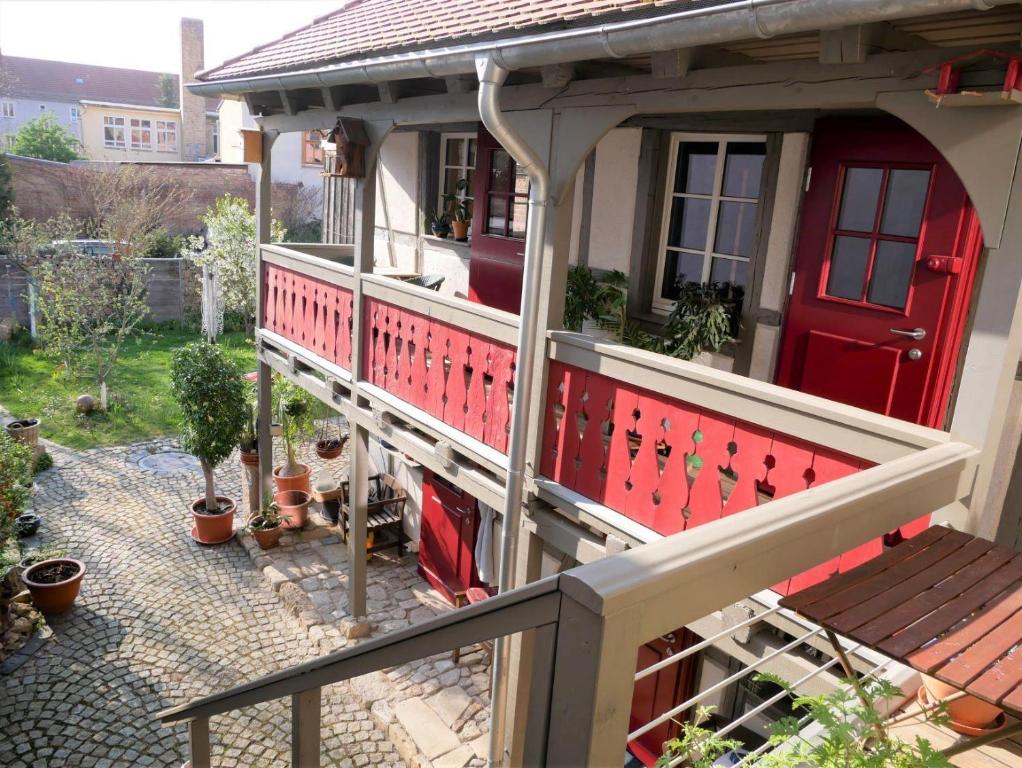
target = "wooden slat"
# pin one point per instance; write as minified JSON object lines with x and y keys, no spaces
{"x":933,"y":656}
{"x":1004,"y":676}
{"x":975,"y":659}
{"x":907,"y":612}
{"x":837,"y":584}
{"x":910,"y":586}
{"x":953,"y":611}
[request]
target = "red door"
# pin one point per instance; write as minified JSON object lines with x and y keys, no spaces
{"x":886,"y":257}
{"x":447,"y":538}
{"x":500,"y":206}
{"x":662,"y":691}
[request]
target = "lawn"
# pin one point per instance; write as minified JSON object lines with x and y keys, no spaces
{"x":142,"y":407}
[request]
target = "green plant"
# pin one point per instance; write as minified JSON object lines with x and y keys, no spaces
{"x":703,"y":319}
{"x":42,"y":463}
{"x":210,"y":392}
{"x":437,"y":220}
{"x":248,"y":441}
{"x":459,"y":208}
{"x":160,"y":244}
{"x":39,"y":554}
{"x":700,"y":746}
{"x":268,"y":517}
{"x":15,"y":478}
{"x":581,"y":298}
{"x":6,"y":188}
{"x":45,"y":138}
{"x":169,"y":95}
{"x":296,"y":412}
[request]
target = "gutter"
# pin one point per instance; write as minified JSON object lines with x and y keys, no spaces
{"x":491,"y":78}
{"x":725,"y":22}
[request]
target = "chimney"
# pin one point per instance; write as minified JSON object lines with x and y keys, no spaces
{"x":193,"y":108}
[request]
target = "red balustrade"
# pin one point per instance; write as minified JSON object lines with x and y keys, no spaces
{"x":671,"y":465}
{"x":458,"y":376}
{"x":311,"y":312}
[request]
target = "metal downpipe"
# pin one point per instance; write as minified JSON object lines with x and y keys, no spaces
{"x":491,"y":78}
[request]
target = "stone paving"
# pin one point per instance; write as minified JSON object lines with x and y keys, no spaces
{"x":435,"y":712}
{"x":160,"y":620}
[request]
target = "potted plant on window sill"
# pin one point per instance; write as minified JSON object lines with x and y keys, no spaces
{"x":459,"y":211}
{"x":211,"y":395}
{"x":295,"y":411}
{"x":439,"y":225}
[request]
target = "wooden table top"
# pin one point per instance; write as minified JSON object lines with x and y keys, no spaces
{"x":946,"y":603}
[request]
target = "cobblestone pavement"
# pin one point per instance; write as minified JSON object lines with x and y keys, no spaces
{"x":160,"y":620}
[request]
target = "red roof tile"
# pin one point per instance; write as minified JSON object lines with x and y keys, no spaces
{"x":373,"y":26}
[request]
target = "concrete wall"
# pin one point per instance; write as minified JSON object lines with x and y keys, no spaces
{"x":29,"y":109}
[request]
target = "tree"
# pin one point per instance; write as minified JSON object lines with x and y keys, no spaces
{"x":210,"y":391}
{"x":230,"y":247}
{"x":44,"y":138}
{"x":6,"y":188}
{"x":168,"y":91}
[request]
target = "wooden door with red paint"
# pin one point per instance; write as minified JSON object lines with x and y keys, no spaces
{"x":447,"y":539}
{"x":500,"y":194}
{"x":886,"y":258}
{"x":662,"y":691}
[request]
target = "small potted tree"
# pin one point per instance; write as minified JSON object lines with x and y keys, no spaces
{"x":438,"y":224}
{"x":267,"y":525}
{"x":208,"y":388}
{"x":295,"y":412}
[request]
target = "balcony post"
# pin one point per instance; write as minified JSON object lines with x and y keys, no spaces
{"x":264,"y":186}
{"x":198,"y":743}
{"x":305,"y":728}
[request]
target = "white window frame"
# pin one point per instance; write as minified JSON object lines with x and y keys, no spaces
{"x":444,"y":166}
{"x":664,"y":306}
{"x":7,"y":109}
{"x":75,"y":114}
{"x":115,"y":121}
{"x":140,"y":124}
{"x":216,"y":138}
{"x":165,"y":128}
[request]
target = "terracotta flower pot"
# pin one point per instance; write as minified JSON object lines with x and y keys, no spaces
{"x":967,"y":715}
{"x":329,"y":449}
{"x":298,"y":482}
{"x":54,"y":584}
{"x":215,"y":528}
{"x":249,"y":459}
{"x":460,"y":230}
{"x":267,"y":538}
{"x":294,"y":507}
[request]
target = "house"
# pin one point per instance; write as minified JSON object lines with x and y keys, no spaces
{"x":117,"y":114}
{"x":849,"y":169}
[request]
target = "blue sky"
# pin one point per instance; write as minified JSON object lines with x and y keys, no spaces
{"x":143,"y":34}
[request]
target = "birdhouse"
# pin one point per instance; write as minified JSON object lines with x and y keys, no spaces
{"x":346,"y":149}
{"x":949,"y":92}
{"x":251,"y":145}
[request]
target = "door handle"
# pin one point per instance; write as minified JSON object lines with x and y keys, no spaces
{"x":916,"y":333}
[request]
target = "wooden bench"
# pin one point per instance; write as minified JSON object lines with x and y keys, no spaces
{"x":385,"y":513}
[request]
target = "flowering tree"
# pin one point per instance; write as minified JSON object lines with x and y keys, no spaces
{"x":230,"y":247}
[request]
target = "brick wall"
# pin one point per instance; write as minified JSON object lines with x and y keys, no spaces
{"x":44,"y":189}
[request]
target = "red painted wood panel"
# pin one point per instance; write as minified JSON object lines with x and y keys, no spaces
{"x":460,"y":377}
{"x":671,"y":465}
{"x":313,"y":313}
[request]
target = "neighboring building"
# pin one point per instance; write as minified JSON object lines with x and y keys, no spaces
{"x":116,"y":114}
{"x":813,"y":157}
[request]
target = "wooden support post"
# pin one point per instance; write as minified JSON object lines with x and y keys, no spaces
{"x":264,"y":186}
{"x":305,"y":729}
{"x":672,"y":64}
{"x":530,"y":652}
{"x":198,"y":743}
{"x":358,"y":498}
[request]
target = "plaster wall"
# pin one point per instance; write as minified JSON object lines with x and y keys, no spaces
{"x":29,"y":109}
{"x":396,"y":202}
{"x":613,"y":204}
{"x":92,"y":133}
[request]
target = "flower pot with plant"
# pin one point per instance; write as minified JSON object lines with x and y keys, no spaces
{"x":54,"y":584}
{"x":267,"y":525}
{"x":248,"y":442}
{"x":294,"y":407}
{"x":329,"y":445}
{"x":438,"y":224}
{"x":208,"y":388}
{"x":459,"y":210}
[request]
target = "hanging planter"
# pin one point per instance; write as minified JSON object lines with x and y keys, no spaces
{"x":328,"y":447}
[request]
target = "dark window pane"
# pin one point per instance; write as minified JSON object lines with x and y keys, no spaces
{"x":848,"y":267}
{"x":499,"y":180}
{"x":521,"y":181}
{"x":690,"y":218}
{"x":892,"y":273}
{"x":455,"y":152}
{"x":729,"y":271}
{"x":680,"y":267}
{"x":697,"y":165}
{"x":496,"y":215}
{"x":519,"y":212}
{"x":736,"y":228}
{"x":471,"y":153}
{"x":859,"y":199}
{"x":451,"y":178}
{"x":904,"y":202}
{"x":743,"y":169}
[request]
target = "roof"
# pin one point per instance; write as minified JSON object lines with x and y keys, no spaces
{"x":374,"y":26}
{"x":64,"y":81}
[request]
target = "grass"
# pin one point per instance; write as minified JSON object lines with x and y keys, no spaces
{"x":32,"y":385}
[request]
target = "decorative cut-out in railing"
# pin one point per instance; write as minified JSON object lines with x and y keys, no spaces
{"x":464,"y":379}
{"x":671,"y":465}
{"x":312,"y":313}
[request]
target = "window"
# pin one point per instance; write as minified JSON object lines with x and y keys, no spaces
{"x":507,"y":197}
{"x":873,"y":244}
{"x":457,"y":162}
{"x":312,"y":150}
{"x":166,"y":136}
{"x":76,"y":115}
{"x":216,"y":138}
{"x":141,"y":134}
{"x":711,"y":211}
{"x":42,"y":107}
{"x":6,"y":109}
{"x":113,"y":132}
{"x":8,"y":141}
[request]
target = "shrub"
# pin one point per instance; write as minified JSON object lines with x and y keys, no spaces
{"x":45,"y":138}
{"x":295,"y":408}
{"x":15,"y":478}
{"x":162,"y":245}
{"x":208,"y":388}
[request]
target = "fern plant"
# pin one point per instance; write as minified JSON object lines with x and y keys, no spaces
{"x":704,"y":319}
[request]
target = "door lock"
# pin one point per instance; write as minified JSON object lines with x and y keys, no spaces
{"x":915,"y":354}
{"x":917,"y":334}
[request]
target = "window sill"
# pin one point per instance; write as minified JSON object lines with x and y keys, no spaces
{"x":461,"y":247}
